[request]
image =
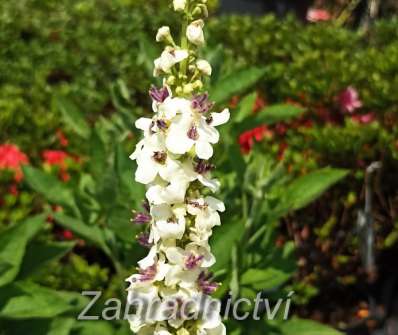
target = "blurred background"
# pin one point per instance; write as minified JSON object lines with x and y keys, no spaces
{"x":308,"y":162}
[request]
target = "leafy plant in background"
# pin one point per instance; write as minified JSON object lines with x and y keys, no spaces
{"x":96,"y":207}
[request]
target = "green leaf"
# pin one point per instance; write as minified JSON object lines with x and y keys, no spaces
{"x":307,"y":188}
{"x":38,"y":255}
{"x":277,"y":113}
{"x":90,"y":328}
{"x":72,"y":116}
{"x":13,"y":243}
{"x":245,"y":108}
{"x":61,"y":326}
{"x":236,"y":83}
{"x":50,"y":187}
{"x":25,"y":300}
{"x":119,"y":222}
{"x":107,"y":189}
{"x":57,"y":326}
{"x":306,"y":327}
{"x":223,"y":240}
{"x":264,"y":279}
{"x":98,"y":155}
{"x":124,"y":167}
{"x":90,"y":233}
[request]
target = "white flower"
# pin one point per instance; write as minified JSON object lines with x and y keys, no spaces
{"x":152,"y":160}
{"x":204,"y":67}
{"x":163,"y":34}
{"x":171,"y":192}
{"x":195,"y":33}
{"x":173,"y":106}
{"x":205,"y":329}
{"x":169,"y":223}
{"x":169,"y":57}
{"x":206,"y":211}
{"x":193,"y":129}
{"x":179,"y":5}
{"x":187,"y":131}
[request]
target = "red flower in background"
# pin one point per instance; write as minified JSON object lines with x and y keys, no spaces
{"x":13,"y":190}
{"x":68,"y":235}
{"x":11,"y":158}
{"x":365,"y":118}
{"x":233,"y":103}
{"x":282,"y":149}
{"x":247,"y":139}
{"x":259,"y":104}
{"x":55,"y":157}
{"x":318,"y":15}
{"x":349,"y":100}
{"x":63,"y":140}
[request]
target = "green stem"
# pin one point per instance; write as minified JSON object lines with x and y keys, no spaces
{"x":184,"y":45}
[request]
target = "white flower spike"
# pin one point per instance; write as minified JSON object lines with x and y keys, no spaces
{"x":173,"y":163}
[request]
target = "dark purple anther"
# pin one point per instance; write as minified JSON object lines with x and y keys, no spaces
{"x":196,"y":204}
{"x":193,"y":133}
{"x":145,"y":205}
{"x":162,"y":124}
{"x":148,"y":273}
{"x":160,"y":157}
{"x":159,"y":94}
{"x":193,"y":261}
{"x":205,"y":283}
{"x":201,"y":103}
{"x":202,"y":167}
{"x":143,"y":240}
{"x":142,"y":218}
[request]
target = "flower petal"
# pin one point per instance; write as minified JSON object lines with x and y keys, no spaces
{"x":203,"y":149}
{"x":220,"y":118}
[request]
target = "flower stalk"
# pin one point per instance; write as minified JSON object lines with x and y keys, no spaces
{"x":173,"y":162}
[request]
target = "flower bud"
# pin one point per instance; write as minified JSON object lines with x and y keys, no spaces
{"x":204,"y":67}
{"x":179,"y":5}
{"x":188,"y":89}
{"x":171,"y":80}
{"x":198,"y":85}
{"x":197,"y":11}
{"x":192,"y":68}
{"x":195,"y":33}
{"x":182,"y":331}
{"x":164,"y":35}
{"x":170,"y":56}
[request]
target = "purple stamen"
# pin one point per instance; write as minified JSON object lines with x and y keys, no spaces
{"x":193,"y":133}
{"x":206,"y":285}
{"x":201,"y":103}
{"x":162,"y":125}
{"x":196,"y":204}
{"x":142,"y":218}
{"x":202,"y":167}
{"x":193,"y":261}
{"x":160,"y":157}
{"x":159,"y":94}
{"x":148,"y":273}
{"x":143,"y":240}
